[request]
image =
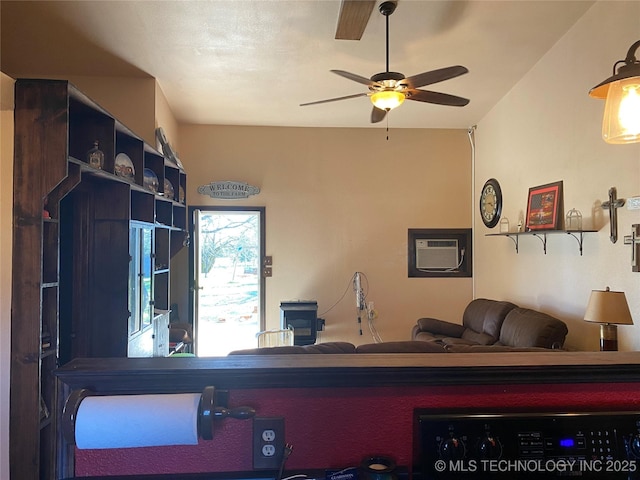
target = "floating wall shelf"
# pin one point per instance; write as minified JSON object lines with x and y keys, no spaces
{"x":542,"y":236}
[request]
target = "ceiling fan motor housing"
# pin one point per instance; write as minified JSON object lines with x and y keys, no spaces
{"x":387,"y":8}
{"x":388,"y":81}
{"x":381,"y":77}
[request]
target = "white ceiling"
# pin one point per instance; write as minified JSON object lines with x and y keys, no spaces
{"x":252,"y":62}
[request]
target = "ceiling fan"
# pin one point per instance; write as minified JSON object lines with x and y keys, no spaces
{"x":353,"y":18}
{"x":389,"y":89}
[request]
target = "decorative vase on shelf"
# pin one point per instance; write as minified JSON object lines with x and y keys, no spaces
{"x":504,"y":225}
{"x":95,"y":157}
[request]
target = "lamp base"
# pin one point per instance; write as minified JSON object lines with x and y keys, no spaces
{"x":608,"y":337}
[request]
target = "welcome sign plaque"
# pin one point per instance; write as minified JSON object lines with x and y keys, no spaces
{"x":228,"y":190}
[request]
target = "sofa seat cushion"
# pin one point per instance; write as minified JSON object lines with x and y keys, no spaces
{"x":479,"y":338}
{"x":529,"y":328}
{"x":456,"y":341}
{"x":401,"y":347}
{"x":426,"y":337}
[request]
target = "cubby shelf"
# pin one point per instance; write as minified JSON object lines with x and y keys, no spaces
{"x":578,"y":235}
{"x":70,"y":287}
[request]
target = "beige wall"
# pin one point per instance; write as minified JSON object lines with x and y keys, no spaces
{"x":340,"y":201}
{"x":131,"y":100}
{"x":6,"y":194}
{"x":548,"y":129}
{"x":164,"y":118}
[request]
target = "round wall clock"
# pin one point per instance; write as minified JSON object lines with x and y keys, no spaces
{"x":491,"y":203}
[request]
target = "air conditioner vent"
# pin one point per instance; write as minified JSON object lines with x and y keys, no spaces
{"x":436,"y":254}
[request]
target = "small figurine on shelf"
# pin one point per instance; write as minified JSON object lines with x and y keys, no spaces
{"x":95,"y":157}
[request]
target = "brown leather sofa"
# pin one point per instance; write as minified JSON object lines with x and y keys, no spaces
{"x":487,"y":326}
{"x":492,"y":325}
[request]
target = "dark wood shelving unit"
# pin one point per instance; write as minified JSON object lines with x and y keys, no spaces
{"x":71,"y":295}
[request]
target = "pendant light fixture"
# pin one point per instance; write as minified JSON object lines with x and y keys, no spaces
{"x":621,"y":122}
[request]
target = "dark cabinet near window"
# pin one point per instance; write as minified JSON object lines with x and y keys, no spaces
{"x":93,"y":243}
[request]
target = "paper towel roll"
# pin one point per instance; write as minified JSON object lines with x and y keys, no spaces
{"x":125,"y":421}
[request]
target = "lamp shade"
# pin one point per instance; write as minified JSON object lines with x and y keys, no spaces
{"x":606,"y":306}
{"x":621,"y":120}
{"x":387,"y":99}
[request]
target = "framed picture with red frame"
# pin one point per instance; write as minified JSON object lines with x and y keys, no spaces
{"x":544,"y":207}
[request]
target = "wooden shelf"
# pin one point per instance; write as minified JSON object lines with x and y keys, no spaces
{"x":578,"y":235}
{"x":70,"y":278}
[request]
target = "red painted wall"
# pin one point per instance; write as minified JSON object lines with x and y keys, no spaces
{"x":337,"y":427}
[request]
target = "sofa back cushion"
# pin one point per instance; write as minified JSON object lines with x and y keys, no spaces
{"x":529,"y":328}
{"x":401,"y":347}
{"x":485,"y":316}
{"x":329,"y":347}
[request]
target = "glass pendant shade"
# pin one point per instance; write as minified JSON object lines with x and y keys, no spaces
{"x":621,"y":122}
{"x":387,"y":99}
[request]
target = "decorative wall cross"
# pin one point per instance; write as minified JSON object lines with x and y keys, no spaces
{"x":612,"y":205}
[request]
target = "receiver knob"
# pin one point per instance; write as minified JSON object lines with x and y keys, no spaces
{"x":634,"y":446}
{"x":489,"y":448}
{"x":452,"y":449}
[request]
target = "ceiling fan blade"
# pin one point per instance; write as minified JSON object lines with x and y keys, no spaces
{"x":335,"y":99}
{"x":434,"y":76}
{"x":353,"y":18}
{"x":437,"y":98}
{"x":377,"y":115}
{"x":356,"y":78}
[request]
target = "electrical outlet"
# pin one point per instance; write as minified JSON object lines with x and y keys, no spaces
{"x":268,"y":443}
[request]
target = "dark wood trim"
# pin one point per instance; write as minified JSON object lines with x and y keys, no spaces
{"x":164,"y":375}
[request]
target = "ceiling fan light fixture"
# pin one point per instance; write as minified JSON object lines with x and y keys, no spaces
{"x":621,"y":121}
{"x":387,"y":99}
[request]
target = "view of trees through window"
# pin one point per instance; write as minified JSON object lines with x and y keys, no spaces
{"x":228,"y":309}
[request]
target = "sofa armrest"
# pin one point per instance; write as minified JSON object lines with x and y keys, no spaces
{"x":440,"y":327}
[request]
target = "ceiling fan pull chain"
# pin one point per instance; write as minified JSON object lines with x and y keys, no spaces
{"x":387,"y":124}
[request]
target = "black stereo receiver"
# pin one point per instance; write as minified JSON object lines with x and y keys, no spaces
{"x":581,"y":445}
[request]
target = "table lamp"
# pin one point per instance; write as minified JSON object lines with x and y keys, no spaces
{"x":609,"y":309}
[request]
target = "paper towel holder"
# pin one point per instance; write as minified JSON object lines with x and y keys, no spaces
{"x":212,"y":406}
